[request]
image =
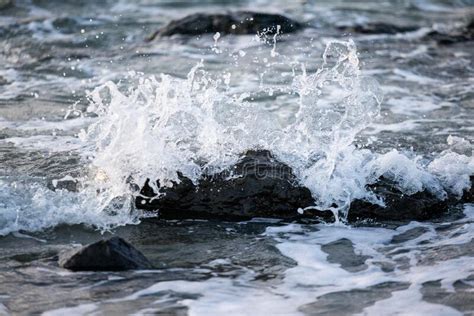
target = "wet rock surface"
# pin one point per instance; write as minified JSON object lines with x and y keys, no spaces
{"x":257,"y":186}
{"x":238,"y":22}
{"x":468,"y":195}
{"x":114,"y":254}
{"x":409,"y":235}
{"x":461,"y":298}
{"x":261,"y":186}
{"x":398,"y":206}
{"x":343,"y":253}
{"x":353,"y":301}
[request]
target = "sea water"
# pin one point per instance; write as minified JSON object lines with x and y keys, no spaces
{"x":84,"y":99}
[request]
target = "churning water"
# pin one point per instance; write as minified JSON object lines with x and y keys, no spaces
{"x":84,"y":100}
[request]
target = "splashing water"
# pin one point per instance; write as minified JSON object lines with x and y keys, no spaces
{"x":156,"y":127}
{"x":163,"y":126}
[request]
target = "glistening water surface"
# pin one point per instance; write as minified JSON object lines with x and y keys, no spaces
{"x":85,"y":99}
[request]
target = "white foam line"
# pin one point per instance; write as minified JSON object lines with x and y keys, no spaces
{"x":82,"y":309}
{"x":410,"y":76}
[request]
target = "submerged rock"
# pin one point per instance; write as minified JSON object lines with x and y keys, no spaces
{"x":261,"y":186}
{"x":114,"y":254}
{"x":239,"y":22}
{"x":377,"y":28}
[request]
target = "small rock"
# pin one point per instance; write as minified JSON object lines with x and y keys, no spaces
{"x":239,"y":22}
{"x":114,"y":254}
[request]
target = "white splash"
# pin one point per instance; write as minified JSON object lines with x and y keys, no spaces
{"x":162,"y":126}
{"x":156,"y":127}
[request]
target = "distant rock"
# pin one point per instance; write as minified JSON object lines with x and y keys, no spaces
{"x":377,"y":28}
{"x":238,"y":22}
{"x":5,"y":4}
{"x":114,"y":254}
{"x":342,"y":252}
{"x":460,"y":35}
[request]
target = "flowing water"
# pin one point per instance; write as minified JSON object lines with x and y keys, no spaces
{"x":87,"y":103}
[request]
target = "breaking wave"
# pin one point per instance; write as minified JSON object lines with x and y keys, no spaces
{"x":156,"y":127}
{"x":162,"y":126}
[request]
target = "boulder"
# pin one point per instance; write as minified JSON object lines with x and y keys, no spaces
{"x":114,"y":254}
{"x":238,"y":22}
{"x":257,"y":186}
{"x":261,"y":186}
{"x":377,"y":28}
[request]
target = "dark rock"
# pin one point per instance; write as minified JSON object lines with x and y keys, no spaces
{"x":409,"y":235}
{"x":66,"y":25}
{"x":461,"y":35}
{"x":399,"y":207}
{"x":353,"y":301}
{"x":239,"y":22}
{"x":5,"y":4}
{"x":342,"y":252}
{"x":377,"y":28}
{"x":257,"y":186}
{"x":113,"y":254}
{"x":261,"y":186}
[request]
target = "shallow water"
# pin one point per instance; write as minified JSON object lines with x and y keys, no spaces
{"x":53,"y":53}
